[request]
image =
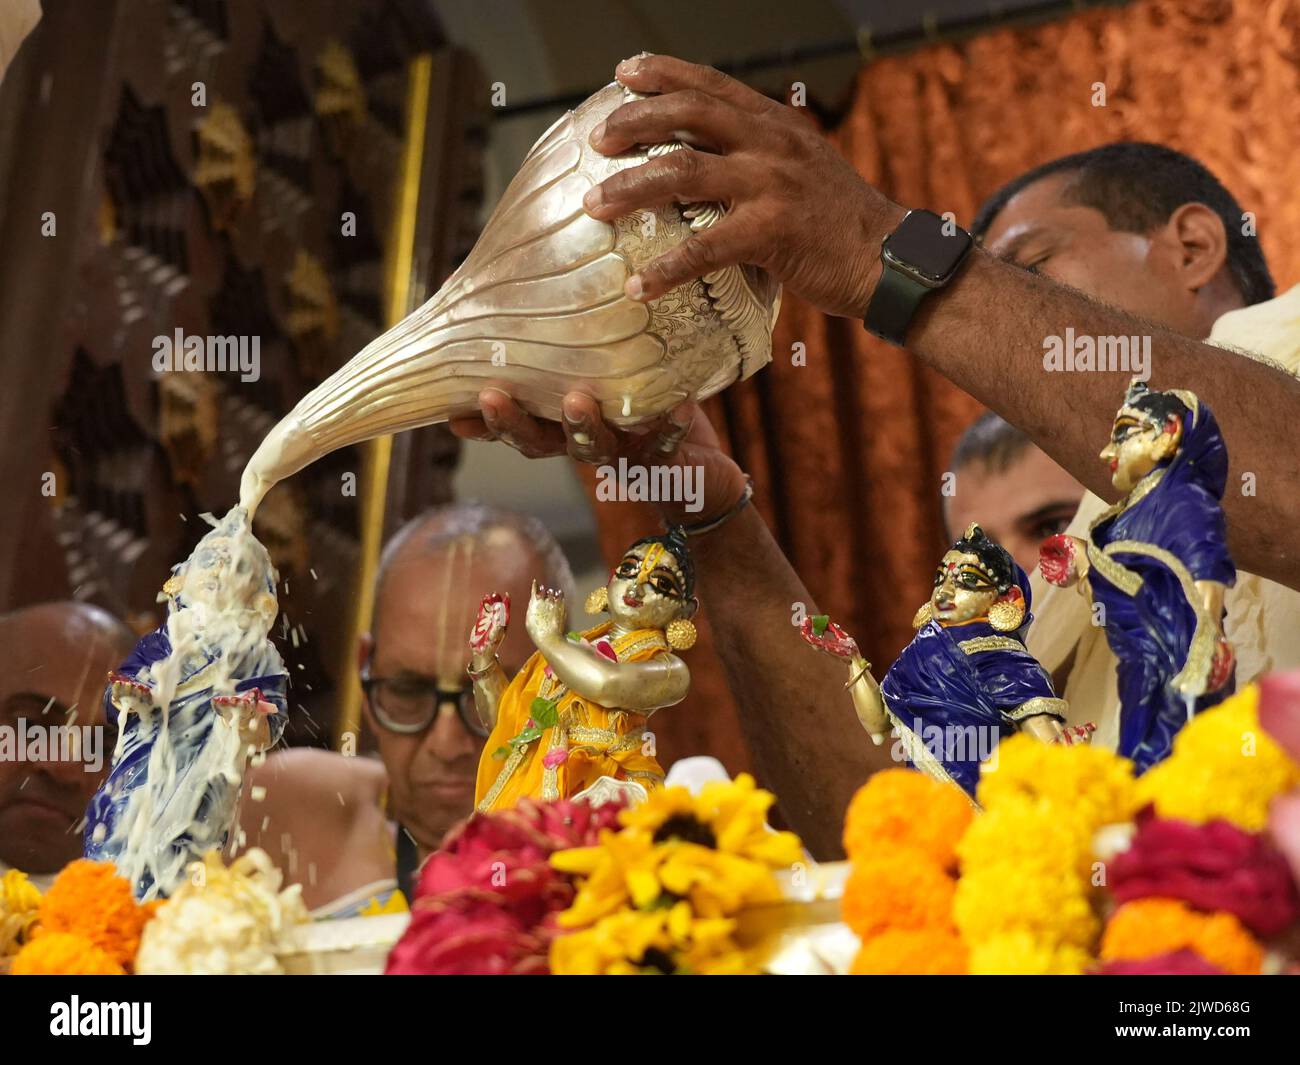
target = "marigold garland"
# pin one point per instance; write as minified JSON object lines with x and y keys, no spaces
{"x":1022,"y":953}
{"x":90,"y":900}
{"x":885,"y":810}
{"x":1224,"y":765}
{"x":1093,"y":784}
{"x":896,"y":888}
{"x":19,"y":901}
{"x":64,"y":954}
{"x":908,"y":951}
{"x":1145,"y":928}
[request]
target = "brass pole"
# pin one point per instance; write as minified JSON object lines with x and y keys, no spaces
{"x":399,"y":258}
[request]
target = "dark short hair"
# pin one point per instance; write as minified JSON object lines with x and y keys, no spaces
{"x":1137,"y":186}
{"x":991,"y":440}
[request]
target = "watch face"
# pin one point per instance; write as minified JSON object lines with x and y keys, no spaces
{"x":928,"y":245}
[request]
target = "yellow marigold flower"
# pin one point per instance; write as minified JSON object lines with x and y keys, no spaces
{"x":1054,"y":909}
{"x":19,"y":901}
{"x":89,"y":899}
{"x":1026,"y":835}
{"x":1224,"y":765}
{"x":64,"y":954}
{"x":1023,"y":954}
{"x":1145,"y":928}
{"x":901,"y":807}
{"x":897,"y":888}
{"x":1090,"y":786}
{"x":912,"y":951}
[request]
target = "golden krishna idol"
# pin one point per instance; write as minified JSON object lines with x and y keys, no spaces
{"x":538,"y":310}
{"x":572,"y":723}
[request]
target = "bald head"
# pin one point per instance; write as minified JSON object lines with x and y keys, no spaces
{"x":56,"y":658}
{"x":432,"y":576}
{"x":438,"y":566}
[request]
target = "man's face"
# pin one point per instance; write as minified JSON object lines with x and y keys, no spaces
{"x":1075,"y":245}
{"x":43,"y":799}
{"x":421,"y":634}
{"x":1019,"y":507}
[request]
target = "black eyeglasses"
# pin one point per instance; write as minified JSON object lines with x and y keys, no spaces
{"x":410,"y":704}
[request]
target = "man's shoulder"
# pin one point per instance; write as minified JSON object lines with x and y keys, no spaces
{"x":302,"y":773}
{"x":1270,"y":329}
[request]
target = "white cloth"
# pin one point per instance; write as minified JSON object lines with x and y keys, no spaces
{"x":1263,"y":617}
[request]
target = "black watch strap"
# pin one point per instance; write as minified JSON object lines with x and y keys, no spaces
{"x":893,"y":304}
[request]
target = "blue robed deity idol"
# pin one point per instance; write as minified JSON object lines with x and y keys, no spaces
{"x":193,"y":700}
{"x":1156,"y":565}
{"x":965,"y":681}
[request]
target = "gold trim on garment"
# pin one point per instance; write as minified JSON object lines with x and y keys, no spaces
{"x":1040,"y":705}
{"x":922,"y":757}
{"x":990,"y":643}
{"x":507,"y":771}
{"x":1190,"y":681}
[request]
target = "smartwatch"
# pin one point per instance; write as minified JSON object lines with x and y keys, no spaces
{"x":922,"y":254}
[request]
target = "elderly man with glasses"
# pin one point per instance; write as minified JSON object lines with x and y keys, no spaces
{"x":353,"y":830}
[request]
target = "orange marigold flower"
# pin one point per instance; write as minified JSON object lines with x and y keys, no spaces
{"x":906,"y":808}
{"x":89,"y":899}
{"x":1144,"y":928}
{"x":897,"y":888}
{"x":64,"y":954}
{"x":912,"y":951}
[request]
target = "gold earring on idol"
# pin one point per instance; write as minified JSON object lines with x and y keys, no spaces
{"x":598,"y":601}
{"x":681,"y":634}
{"x":923,"y":616}
{"x":1008,"y":615}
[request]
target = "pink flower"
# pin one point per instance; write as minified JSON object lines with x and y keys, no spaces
{"x":1279,"y":713}
{"x":556,"y":757}
{"x":1175,"y":963}
{"x":487,"y":897}
{"x":1215,"y":866}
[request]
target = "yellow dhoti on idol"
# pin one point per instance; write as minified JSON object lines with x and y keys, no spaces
{"x":586,"y":742}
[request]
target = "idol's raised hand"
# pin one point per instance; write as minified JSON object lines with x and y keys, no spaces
{"x":831,"y":639}
{"x":1063,"y":560}
{"x":795,"y":207}
{"x":490,"y":625}
{"x":546,"y":615}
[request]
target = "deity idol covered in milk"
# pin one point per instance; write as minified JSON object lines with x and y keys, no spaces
{"x":966,"y":680}
{"x":572,"y":722}
{"x":195,"y":699}
{"x":1156,"y":566}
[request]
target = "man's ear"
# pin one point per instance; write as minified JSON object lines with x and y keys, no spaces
{"x":1201,"y":244}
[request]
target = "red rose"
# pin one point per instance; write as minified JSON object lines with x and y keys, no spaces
{"x":1175,"y":963}
{"x":1215,"y":866}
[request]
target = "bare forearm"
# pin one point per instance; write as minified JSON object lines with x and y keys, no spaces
{"x":796,"y":716}
{"x":986,"y":335}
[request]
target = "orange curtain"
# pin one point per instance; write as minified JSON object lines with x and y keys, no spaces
{"x":848,"y":451}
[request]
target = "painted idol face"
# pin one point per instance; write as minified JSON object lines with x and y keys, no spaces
{"x":962,"y":590}
{"x":1137,"y":444}
{"x":647,"y":590}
